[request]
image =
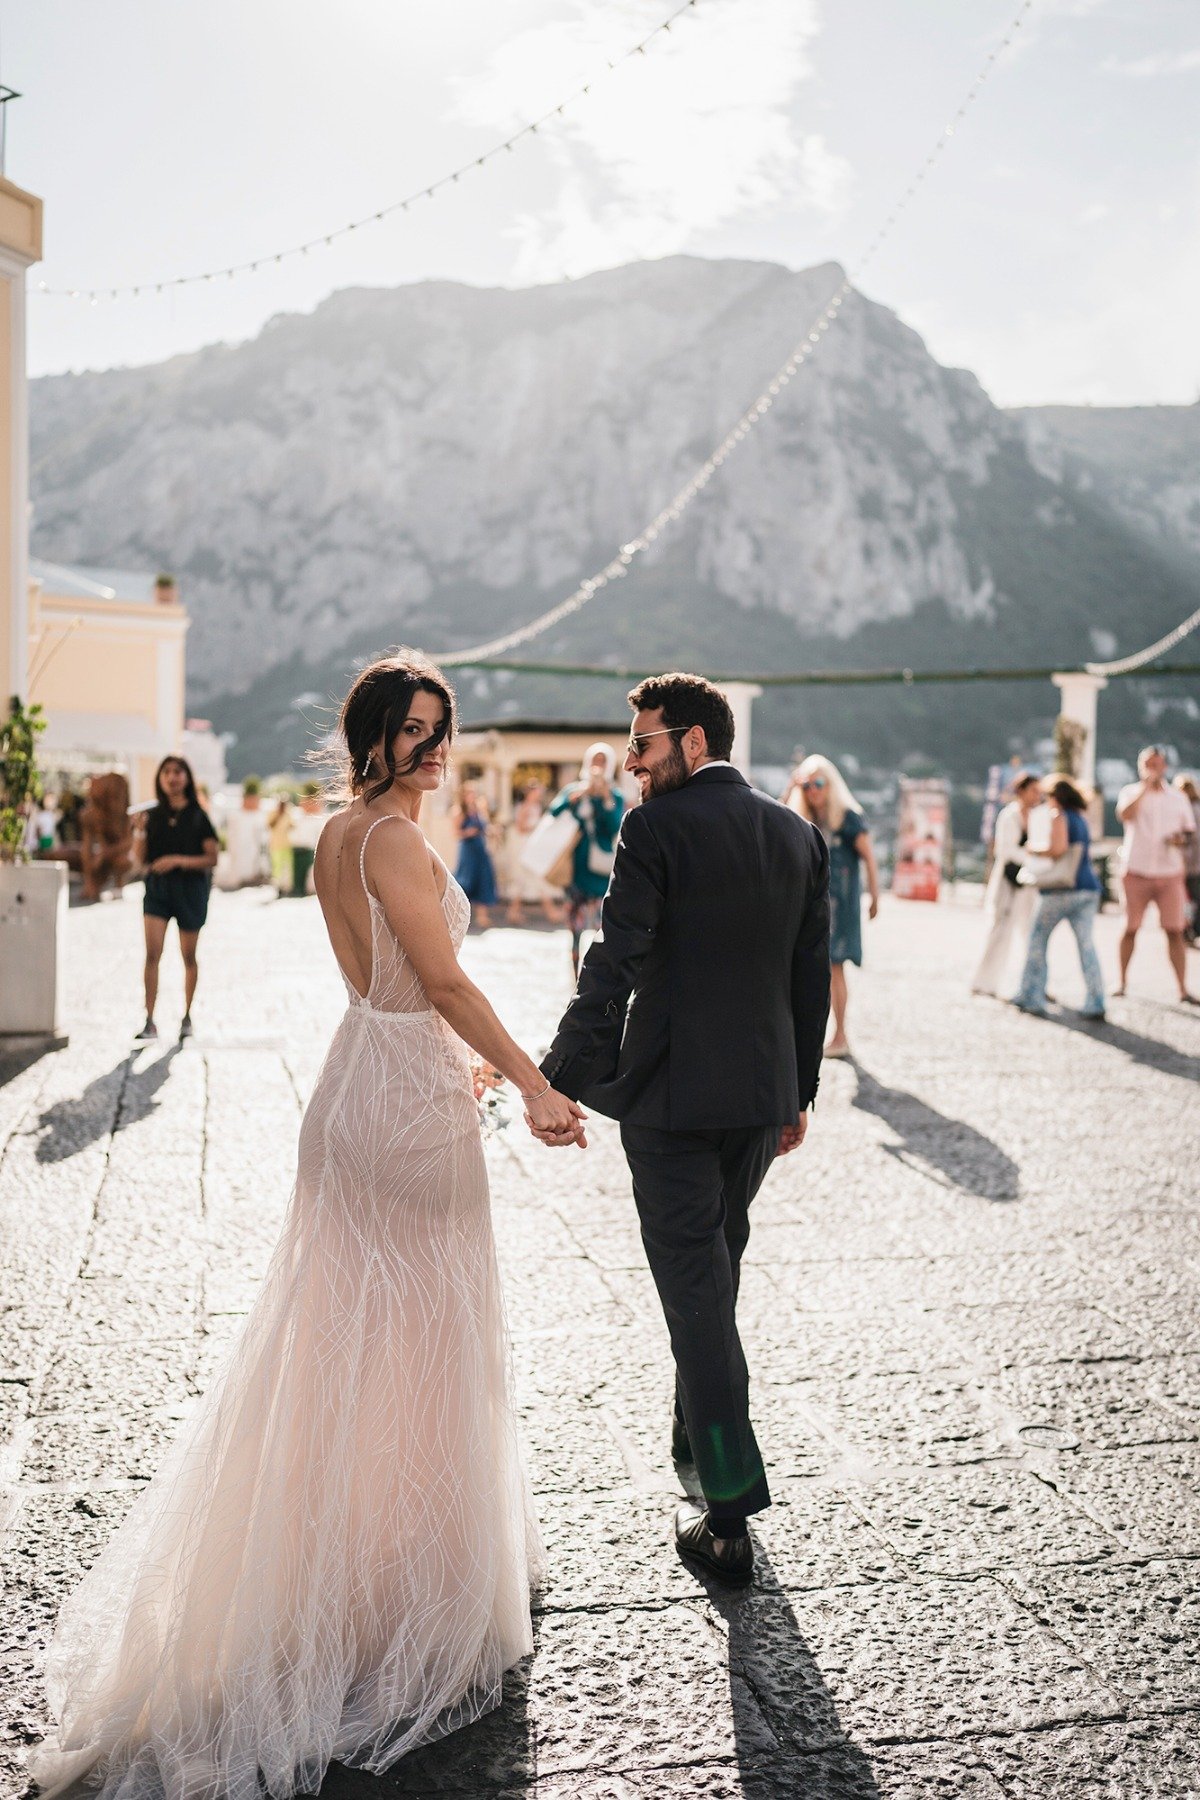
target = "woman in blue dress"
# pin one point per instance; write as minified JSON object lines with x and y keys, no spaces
{"x":598,"y":806}
{"x":475,"y":872}
{"x":818,"y":792}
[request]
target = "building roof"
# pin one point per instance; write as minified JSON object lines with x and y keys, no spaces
{"x":582,"y":727}
{"x":80,"y":583}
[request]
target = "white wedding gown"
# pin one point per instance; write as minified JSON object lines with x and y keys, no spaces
{"x":334,"y":1561}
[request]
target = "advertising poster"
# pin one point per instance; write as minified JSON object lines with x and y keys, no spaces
{"x":921,"y":838}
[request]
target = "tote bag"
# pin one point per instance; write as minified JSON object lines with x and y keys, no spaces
{"x":1050,"y":874}
{"x":549,"y":850}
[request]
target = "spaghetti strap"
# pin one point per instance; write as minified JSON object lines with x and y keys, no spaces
{"x":362,"y":854}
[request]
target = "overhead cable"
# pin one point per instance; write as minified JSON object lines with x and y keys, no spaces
{"x":1125,"y":665}
{"x":326,"y":239}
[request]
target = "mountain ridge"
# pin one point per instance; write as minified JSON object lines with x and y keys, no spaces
{"x":440,"y":462}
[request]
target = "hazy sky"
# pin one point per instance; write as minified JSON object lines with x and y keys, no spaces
{"x":1055,"y":250}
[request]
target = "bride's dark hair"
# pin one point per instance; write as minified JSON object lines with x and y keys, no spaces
{"x":373,"y":713}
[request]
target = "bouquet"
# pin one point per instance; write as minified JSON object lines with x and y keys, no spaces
{"x":488,"y":1083}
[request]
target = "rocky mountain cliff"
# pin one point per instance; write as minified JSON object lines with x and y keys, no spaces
{"x":1144,"y":460}
{"x":437,"y":462}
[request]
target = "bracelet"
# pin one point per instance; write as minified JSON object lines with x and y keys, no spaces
{"x":541,"y":1093}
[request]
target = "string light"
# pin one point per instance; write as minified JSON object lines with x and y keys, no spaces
{"x":757,"y":410}
{"x":1125,"y":665}
{"x":325,"y":240}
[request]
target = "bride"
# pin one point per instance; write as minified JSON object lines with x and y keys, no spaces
{"x":334,"y":1560}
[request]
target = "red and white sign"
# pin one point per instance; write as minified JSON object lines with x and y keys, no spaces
{"x":921,"y":838}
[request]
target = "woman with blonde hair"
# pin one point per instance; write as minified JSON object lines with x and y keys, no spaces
{"x":818,"y":792}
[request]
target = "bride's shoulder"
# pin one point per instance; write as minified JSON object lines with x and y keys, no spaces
{"x":402,"y":841}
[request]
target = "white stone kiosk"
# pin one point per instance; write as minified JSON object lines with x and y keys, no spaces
{"x":1078,"y":691}
{"x":741,"y":696}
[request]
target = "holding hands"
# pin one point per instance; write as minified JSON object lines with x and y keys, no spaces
{"x":555,"y":1120}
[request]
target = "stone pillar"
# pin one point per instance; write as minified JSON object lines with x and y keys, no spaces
{"x":741,"y":696}
{"x":20,"y":246}
{"x":1077,"y":702}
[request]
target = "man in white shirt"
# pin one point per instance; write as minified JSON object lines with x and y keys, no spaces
{"x":1008,"y":908}
{"x":1158,"y":822}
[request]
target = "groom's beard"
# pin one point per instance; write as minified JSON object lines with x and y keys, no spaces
{"x":670,"y":773}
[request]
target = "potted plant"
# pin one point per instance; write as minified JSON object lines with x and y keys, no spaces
{"x":33,"y":895}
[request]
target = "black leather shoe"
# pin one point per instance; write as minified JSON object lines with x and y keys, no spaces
{"x":732,"y":1563}
{"x":681,"y":1449}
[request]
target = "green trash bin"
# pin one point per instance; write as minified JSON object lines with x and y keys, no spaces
{"x":302,"y":862}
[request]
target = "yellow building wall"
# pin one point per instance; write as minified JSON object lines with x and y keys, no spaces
{"x":95,"y":671}
{"x":20,"y":245}
{"x":10,"y":677}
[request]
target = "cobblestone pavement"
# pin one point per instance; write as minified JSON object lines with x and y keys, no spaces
{"x":971,"y":1310}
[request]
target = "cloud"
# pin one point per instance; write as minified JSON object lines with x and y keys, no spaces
{"x":695,"y":133}
{"x":1145,"y":68}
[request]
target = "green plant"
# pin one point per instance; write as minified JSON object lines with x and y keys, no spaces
{"x":20,"y":783}
{"x":1069,"y":739}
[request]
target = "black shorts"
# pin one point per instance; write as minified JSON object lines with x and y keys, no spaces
{"x":182,"y":895}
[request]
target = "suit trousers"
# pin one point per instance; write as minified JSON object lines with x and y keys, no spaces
{"x":693,"y":1191}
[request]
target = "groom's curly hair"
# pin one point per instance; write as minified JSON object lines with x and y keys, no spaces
{"x":688,"y":700}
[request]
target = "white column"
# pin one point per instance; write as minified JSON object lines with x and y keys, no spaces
{"x":1077,"y":702}
{"x":741,"y":696}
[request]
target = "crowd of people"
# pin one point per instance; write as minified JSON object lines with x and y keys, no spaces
{"x":1043,"y":876}
{"x":1042,"y":872}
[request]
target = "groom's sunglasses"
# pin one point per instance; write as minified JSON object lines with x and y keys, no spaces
{"x":639,"y":740}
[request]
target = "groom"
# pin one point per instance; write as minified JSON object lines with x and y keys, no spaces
{"x":698,"y":1023}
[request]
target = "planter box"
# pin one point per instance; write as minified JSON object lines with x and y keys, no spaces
{"x":33,"y":916}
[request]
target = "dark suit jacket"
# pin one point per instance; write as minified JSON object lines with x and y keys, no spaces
{"x":703,"y":1003}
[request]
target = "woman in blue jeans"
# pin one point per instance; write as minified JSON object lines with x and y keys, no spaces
{"x":1076,"y":904}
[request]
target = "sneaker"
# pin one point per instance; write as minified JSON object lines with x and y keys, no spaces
{"x":185,"y":1027}
{"x":148,"y":1032}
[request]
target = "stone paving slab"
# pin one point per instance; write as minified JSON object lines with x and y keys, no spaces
{"x":972,"y":1328}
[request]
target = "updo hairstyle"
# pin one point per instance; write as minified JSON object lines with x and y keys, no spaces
{"x":374,"y":712}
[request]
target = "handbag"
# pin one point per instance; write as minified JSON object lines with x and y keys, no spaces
{"x":549,"y":850}
{"x":1051,"y":874}
{"x":600,"y":862}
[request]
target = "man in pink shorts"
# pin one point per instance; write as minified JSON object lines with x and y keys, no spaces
{"x":1158,"y":822}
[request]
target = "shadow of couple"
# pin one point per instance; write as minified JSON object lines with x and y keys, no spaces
{"x":786,"y":1735}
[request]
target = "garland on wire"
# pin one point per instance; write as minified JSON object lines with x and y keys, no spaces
{"x":1125,"y":665}
{"x":757,"y":410}
{"x":327,"y":239}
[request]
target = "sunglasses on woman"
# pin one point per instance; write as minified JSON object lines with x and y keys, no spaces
{"x":818,"y":781}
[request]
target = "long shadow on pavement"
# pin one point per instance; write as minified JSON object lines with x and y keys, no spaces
{"x":774,"y":1683}
{"x":961,"y":1155}
{"x":115,"y":1099}
{"x":1150,"y":1052}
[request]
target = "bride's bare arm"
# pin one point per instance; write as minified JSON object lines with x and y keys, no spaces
{"x":401,"y":874}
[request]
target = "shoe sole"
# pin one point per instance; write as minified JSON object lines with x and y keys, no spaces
{"x":727,"y":1577}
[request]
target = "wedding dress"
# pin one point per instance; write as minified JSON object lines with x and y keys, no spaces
{"x":334,"y":1561}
